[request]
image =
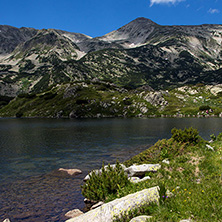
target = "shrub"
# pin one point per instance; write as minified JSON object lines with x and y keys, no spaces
{"x":19,"y":114}
{"x":107,"y":182}
{"x":49,"y":95}
{"x":204,"y":107}
{"x":27,"y":95}
{"x":189,"y":135}
{"x":213,"y":137}
{"x":219,"y":137}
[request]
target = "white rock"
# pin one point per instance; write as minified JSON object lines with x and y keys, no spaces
{"x":100,"y":203}
{"x":137,"y":179}
{"x":107,"y":212}
{"x":6,"y":220}
{"x":166,"y":161}
{"x":71,"y":172}
{"x":73,"y":213}
{"x":186,"y":220}
{"x":142,"y":218}
{"x":140,"y":170}
{"x":209,"y":147}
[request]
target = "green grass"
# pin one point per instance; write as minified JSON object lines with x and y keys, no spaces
{"x":193,"y":178}
{"x":105,"y":99}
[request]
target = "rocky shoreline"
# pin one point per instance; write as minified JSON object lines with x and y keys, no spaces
{"x":162,"y":169}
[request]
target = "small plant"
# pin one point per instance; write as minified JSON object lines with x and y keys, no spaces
{"x":162,"y":192}
{"x":219,"y":137}
{"x":109,"y":181}
{"x":213,"y":137}
{"x":190,"y":135}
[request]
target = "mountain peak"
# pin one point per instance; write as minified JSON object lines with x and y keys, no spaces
{"x":134,"y":32}
{"x":143,"y":20}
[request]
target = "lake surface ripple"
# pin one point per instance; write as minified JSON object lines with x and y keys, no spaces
{"x":30,"y":149}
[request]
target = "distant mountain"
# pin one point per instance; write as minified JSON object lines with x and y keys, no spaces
{"x":139,"y":53}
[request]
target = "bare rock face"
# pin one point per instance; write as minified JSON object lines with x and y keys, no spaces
{"x":73,"y":213}
{"x":10,"y":37}
{"x":107,"y":212}
{"x":156,"y":99}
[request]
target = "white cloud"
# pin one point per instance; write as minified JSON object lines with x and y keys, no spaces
{"x":152,"y":2}
{"x":213,"y":11}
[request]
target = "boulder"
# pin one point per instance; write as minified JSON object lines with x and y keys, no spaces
{"x":107,"y":212}
{"x":61,"y":172}
{"x":141,"y":170}
{"x":137,"y":179}
{"x":73,"y":213}
{"x":142,"y":218}
{"x":71,"y":172}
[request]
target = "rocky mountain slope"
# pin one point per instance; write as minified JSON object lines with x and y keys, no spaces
{"x":139,"y":53}
{"x":96,"y":99}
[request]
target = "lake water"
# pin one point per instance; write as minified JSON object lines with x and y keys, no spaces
{"x":30,"y":149}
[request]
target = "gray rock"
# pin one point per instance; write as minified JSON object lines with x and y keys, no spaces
{"x":140,"y":170}
{"x":142,"y":218}
{"x":156,"y":99}
{"x":73,"y":213}
{"x":107,"y":212}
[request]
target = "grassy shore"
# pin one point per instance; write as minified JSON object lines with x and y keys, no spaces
{"x":190,"y":185}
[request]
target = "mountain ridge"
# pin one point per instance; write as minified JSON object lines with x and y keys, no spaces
{"x":141,"y":52}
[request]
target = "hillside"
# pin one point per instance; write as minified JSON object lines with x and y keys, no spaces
{"x":139,"y":53}
{"x":96,"y":99}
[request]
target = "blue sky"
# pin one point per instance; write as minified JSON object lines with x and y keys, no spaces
{"x":98,"y":17}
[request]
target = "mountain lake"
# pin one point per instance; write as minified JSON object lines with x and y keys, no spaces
{"x":31,"y":149}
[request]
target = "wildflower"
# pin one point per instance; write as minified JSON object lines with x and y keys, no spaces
{"x":202,"y":191}
{"x":173,"y":190}
{"x":189,"y":192}
{"x":185,"y":189}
